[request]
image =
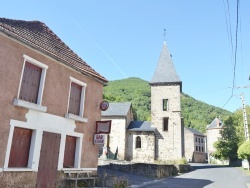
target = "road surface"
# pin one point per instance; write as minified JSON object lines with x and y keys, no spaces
{"x":204,"y":176}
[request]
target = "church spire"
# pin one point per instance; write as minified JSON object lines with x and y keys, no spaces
{"x":165,"y":72}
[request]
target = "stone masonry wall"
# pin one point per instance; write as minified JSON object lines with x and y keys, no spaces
{"x":146,"y":152}
{"x":117,"y":136}
{"x":189,"y":144}
{"x":151,"y":170}
{"x":212,"y":136}
{"x":168,"y":143}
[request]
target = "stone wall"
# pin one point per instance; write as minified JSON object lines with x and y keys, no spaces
{"x":147,"y":150}
{"x":212,"y":136}
{"x":117,"y":136}
{"x":18,"y":179}
{"x":199,"y":157}
{"x":157,"y":171}
{"x":168,"y":143}
{"x":189,"y":144}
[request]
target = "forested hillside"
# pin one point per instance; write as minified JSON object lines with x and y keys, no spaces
{"x":196,"y":114}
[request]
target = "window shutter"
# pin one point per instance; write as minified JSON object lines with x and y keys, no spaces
{"x":75,"y":99}
{"x":20,"y":147}
{"x":30,"y":83}
{"x":69,"y":153}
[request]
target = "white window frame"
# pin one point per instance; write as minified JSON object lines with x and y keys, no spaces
{"x":38,"y":106}
{"x":80,"y":116}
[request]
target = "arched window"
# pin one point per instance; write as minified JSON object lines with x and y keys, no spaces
{"x":138,"y":142}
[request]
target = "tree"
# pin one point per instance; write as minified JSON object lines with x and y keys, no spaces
{"x":244,"y":151}
{"x":227,"y":146}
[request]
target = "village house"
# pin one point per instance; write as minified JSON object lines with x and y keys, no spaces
{"x":213,"y":133}
{"x":49,"y":106}
{"x":195,"y":145}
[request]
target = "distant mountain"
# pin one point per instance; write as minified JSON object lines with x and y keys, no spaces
{"x":196,"y":114}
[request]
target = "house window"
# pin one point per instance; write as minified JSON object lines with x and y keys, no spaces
{"x":76,"y":100}
{"x":20,"y":147}
{"x":199,"y":148}
{"x":165,"y":104}
{"x":31,"y":85}
{"x":202,"y":149}
{"x":69,"y":152}
{"x":195,"y":139}
{"x":165,"y":123}
{"x":138,"y":142}
{"x":199,"y":140}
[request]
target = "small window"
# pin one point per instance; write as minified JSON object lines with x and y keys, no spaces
{"x":165,"y":104}
{"x":196,"y":148}
{"x":76,"y":100}
{"x":202,"y":149}
{"x":199,"y":140}
{"x":69,"y":152}
{"x":31,"y":85}
{"x":138,"y":142}
{"x":199,"y":148}
{"x":165,"y":123}
{"x":20,"y":147}
{"x":195,"y":139}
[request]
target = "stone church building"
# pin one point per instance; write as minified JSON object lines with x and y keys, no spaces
{"x":161,"y":139}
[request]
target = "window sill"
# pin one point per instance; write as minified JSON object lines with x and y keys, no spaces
{"x":29,"y":105}
{"x":76,"y":118}
{"x":18,"y":169}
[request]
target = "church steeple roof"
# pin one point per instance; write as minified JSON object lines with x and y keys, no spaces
{"x":165,"y":72}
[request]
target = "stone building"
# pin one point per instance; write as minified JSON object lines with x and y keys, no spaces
{"x":161,"y":139}
{"x":49,"y":99}
{"x":213,"y":133}
{"x":166,"y":88}
{"x":195,"y":145}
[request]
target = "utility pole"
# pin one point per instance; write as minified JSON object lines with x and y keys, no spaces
{"x":245,"y":118}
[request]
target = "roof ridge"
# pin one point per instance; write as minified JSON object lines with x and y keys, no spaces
{"x":39,"y":35}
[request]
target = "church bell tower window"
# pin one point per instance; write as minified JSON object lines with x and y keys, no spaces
{"x":165,"y":104}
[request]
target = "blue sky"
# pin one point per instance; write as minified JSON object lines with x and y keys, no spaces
{"x":121,"y":39}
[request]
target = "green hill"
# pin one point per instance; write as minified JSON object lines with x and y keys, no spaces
{"x":196,"y":114}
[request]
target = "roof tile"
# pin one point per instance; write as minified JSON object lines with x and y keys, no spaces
{"x":38,"y":35}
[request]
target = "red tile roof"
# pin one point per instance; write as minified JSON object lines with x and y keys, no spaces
{"x":38,"y":35}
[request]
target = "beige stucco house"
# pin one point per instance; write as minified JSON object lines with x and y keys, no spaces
{"x":49,"y":106}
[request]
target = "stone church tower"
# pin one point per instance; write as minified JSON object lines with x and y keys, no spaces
{"x":166,"y":109}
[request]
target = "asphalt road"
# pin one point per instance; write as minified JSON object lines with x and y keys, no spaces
{"x":204,"y":176}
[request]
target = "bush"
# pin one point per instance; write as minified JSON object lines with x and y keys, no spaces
{"x":244,"y":151}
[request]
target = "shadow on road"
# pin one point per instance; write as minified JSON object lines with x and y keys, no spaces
{"x":177,"y":183}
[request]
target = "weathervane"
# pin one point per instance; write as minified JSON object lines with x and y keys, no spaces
{"x":164,"y":34}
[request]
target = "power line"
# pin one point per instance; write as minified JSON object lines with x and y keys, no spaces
{"x":235,"y":51}
{"x":229,"y":30}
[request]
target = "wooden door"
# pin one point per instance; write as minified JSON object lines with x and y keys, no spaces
{"x":48,"y":163}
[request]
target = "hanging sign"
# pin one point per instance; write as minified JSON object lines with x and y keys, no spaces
{"x":104,"y":105}
{"x":99,"y":138}
{"x":103,"y":126}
